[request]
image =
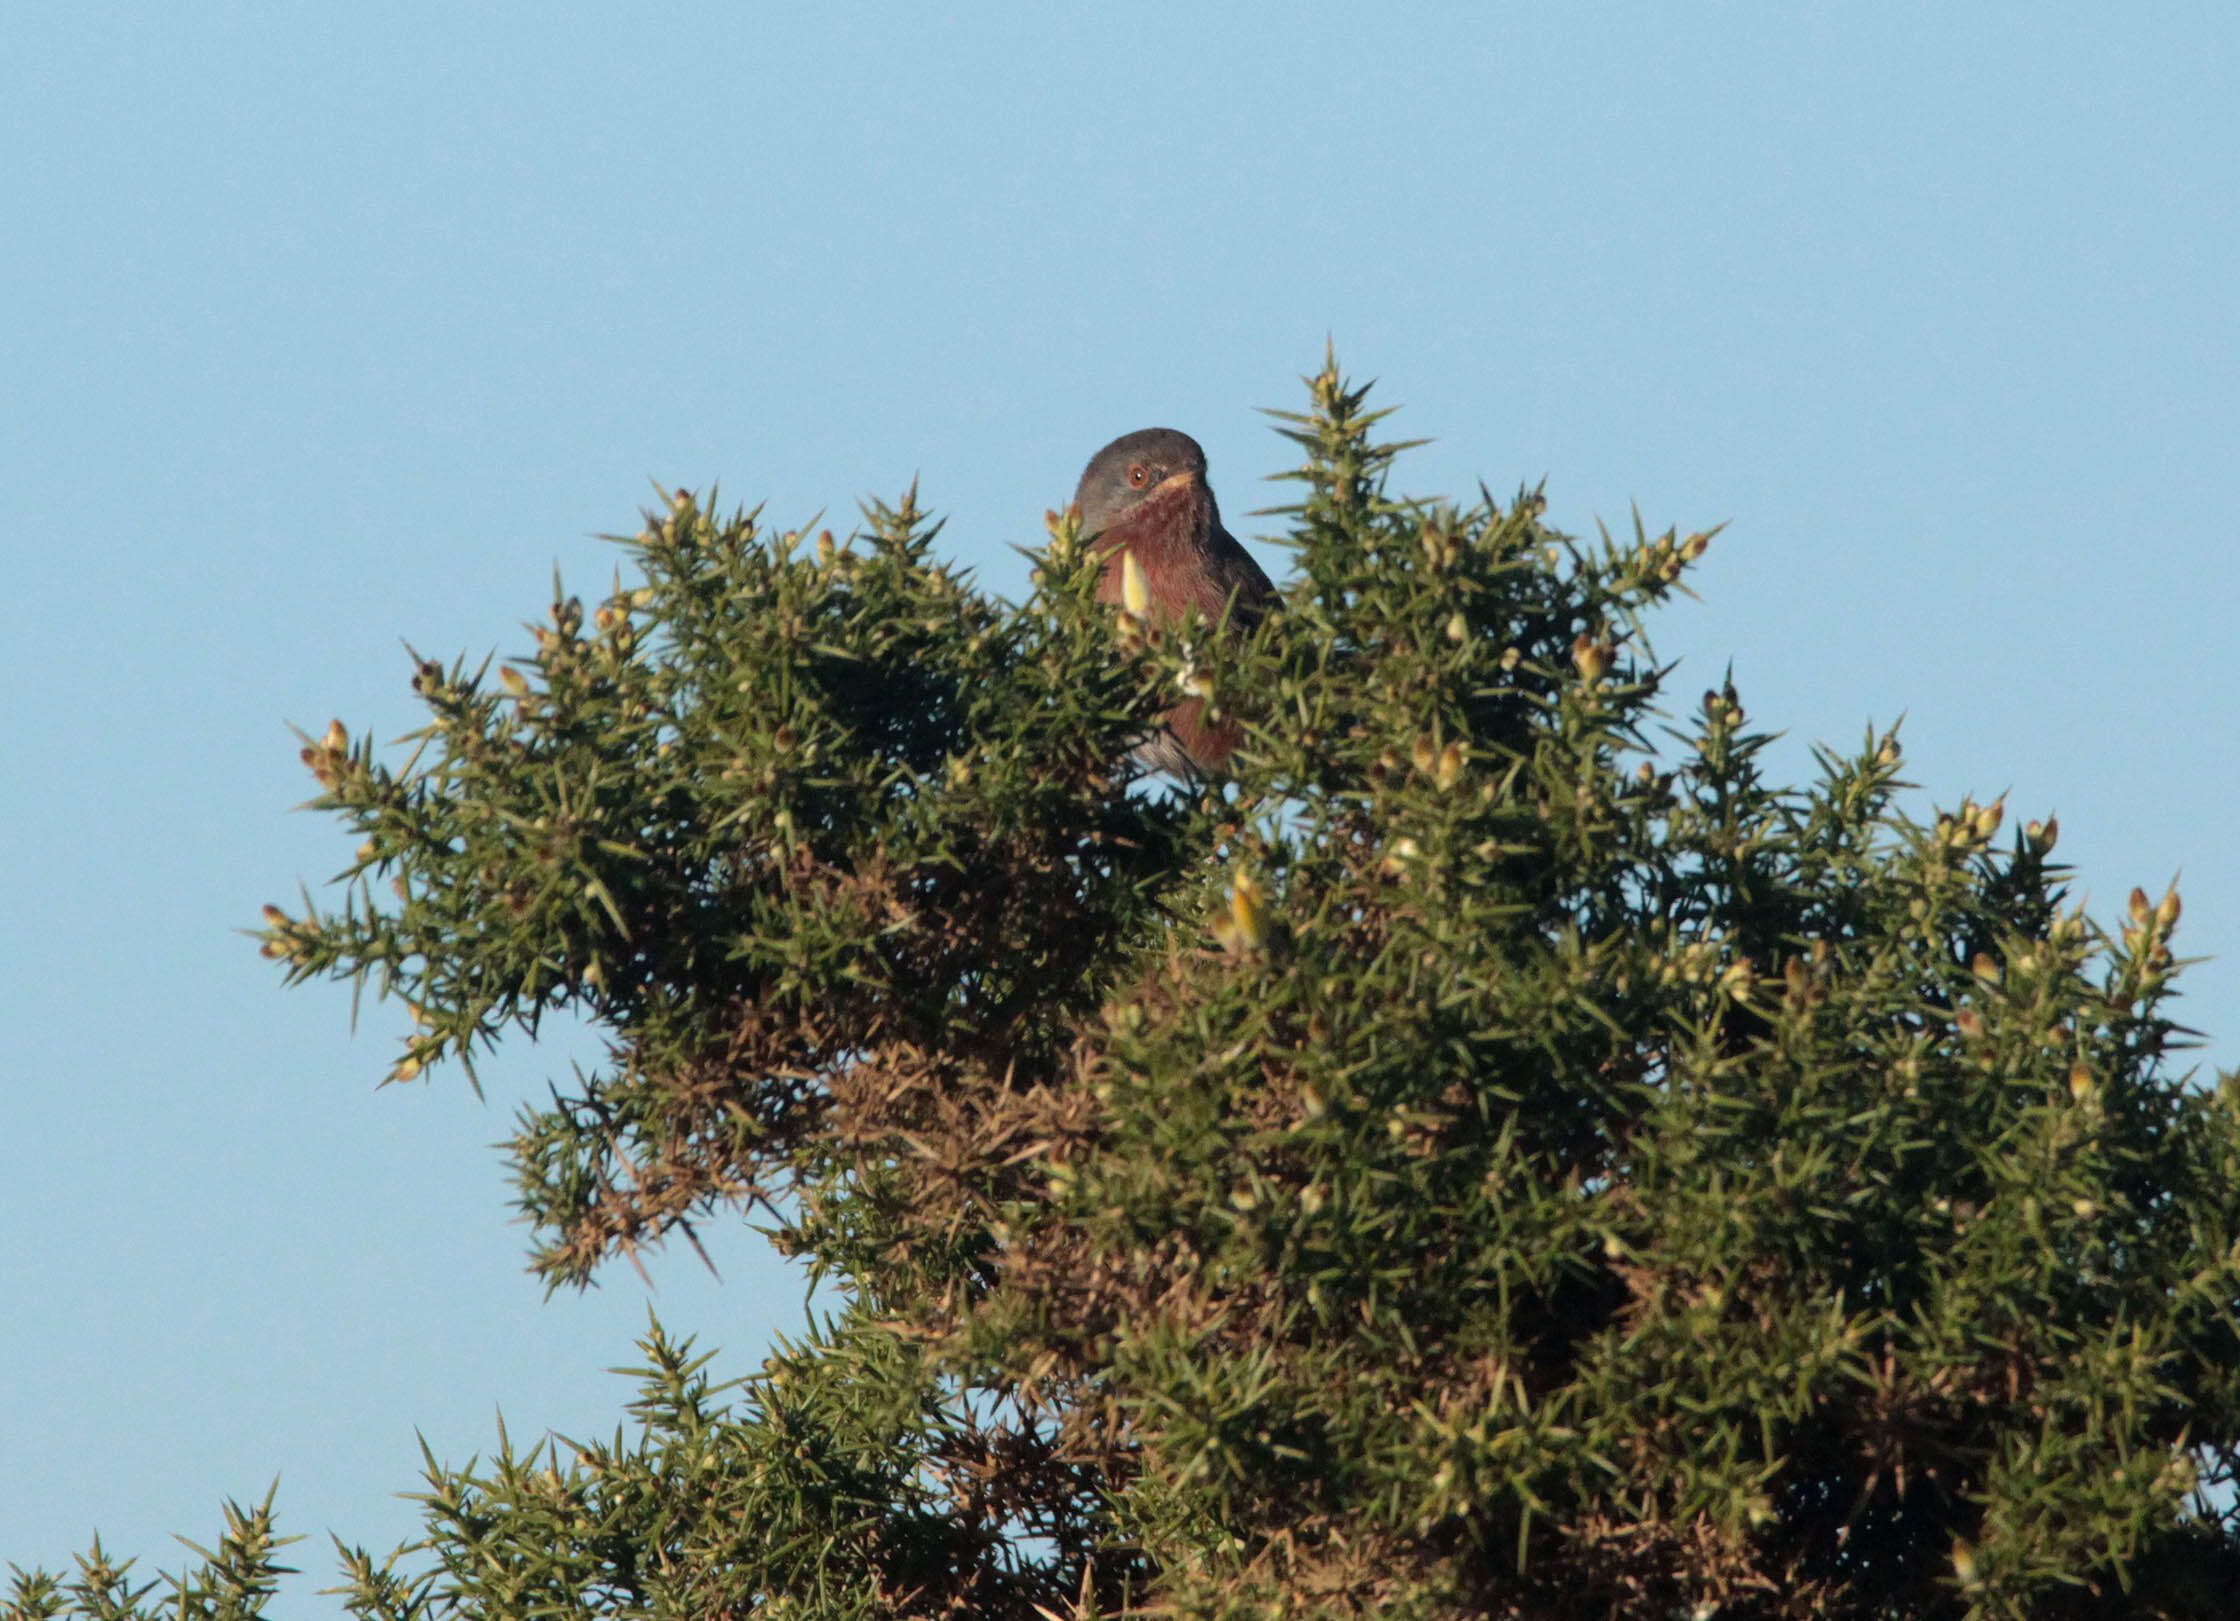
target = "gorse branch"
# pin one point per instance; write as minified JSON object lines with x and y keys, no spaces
{"x":1496,"y":1153}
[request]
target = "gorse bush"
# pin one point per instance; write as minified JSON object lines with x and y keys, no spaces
{"x":1494,"y":1154}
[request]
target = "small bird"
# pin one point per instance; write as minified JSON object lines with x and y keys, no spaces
{"x":1145,"y":496}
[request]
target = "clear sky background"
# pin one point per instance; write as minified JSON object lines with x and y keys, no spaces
{"x":325,"y":328}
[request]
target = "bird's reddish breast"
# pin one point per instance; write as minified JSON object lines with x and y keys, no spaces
{"x":1170,"y":535}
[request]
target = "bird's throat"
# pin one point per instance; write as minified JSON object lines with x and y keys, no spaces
{"x":1166,"y":529}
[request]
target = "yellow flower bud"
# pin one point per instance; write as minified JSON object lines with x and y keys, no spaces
{"x":1135,"y":590}
{"x":1246,"y":914}
{"x":1591,"y":657}
{"x":1448,"y":771}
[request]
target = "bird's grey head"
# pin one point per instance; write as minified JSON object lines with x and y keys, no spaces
{"x":1130,"y":468}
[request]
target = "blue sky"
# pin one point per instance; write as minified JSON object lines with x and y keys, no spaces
{"x":330,"y":328}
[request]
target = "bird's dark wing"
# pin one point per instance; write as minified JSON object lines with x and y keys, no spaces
{"x":1231,"y":573}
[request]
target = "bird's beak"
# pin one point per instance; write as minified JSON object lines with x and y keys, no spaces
{"x":1172,"y":482}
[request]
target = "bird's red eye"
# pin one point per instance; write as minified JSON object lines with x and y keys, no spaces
{"x":1138,"y":476}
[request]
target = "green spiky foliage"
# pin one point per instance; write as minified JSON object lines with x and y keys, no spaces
{"x":1497,"y":1154}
